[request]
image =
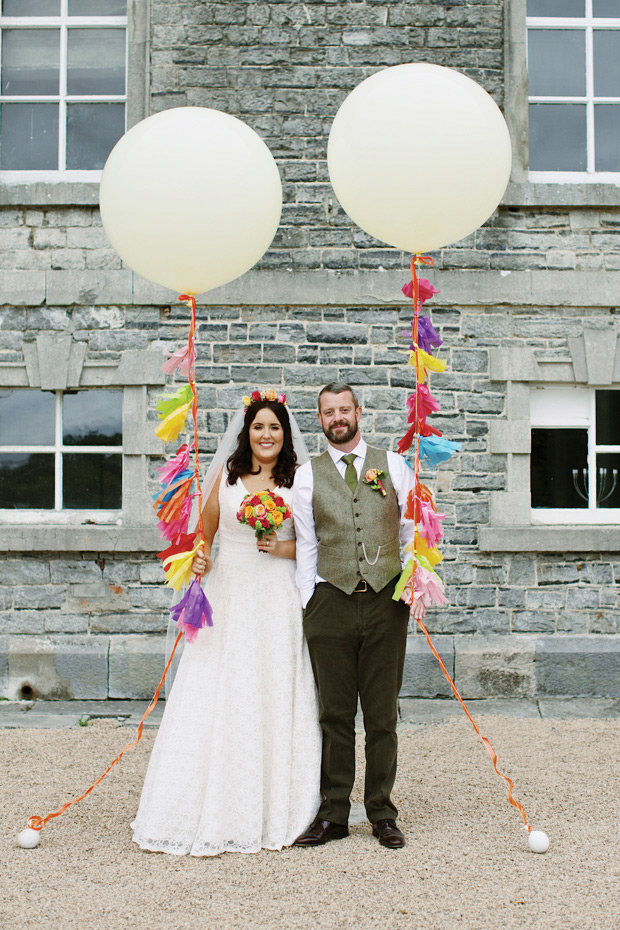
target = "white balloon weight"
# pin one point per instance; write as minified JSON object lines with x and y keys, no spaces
{"x":419,"y":156}
{"x":190,"y":198}
{"x":538,"y":841}
{"x":28,"y":838}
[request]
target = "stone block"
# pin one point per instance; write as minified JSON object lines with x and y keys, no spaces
{"x":64,"y":667}
{"x":38,"y":596}
{"x":4,"y":665}
{"x":65,"y":288}
{"x":422,"y":676}
{"x":509,"y":436}
{"x":510,"y":508}
{"x":513,"y":364}
{"x":578,"y":665}
{"x":22,"y":288}
{"x":136,"y":665}
{"x":495,"y":666}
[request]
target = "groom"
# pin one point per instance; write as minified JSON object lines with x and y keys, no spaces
{"x":349,"y":536}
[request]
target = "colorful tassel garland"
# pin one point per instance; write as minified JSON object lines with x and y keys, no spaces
{"x":193,"y":612}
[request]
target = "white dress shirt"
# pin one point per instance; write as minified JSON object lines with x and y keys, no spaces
{"x":402,"y":478}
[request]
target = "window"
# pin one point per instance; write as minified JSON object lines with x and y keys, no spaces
{"x":575,"y":455}
{"x":573,"y":63}
{"x":61,"y":451}
{"x":63,"y":85}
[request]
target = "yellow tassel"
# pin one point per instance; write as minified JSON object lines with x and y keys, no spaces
{"x":433,"y":556}
{"x":169,"y":429}
{"x":178,"y":568}
{"x":425,"y":363}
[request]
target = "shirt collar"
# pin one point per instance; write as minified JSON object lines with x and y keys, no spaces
{"x":337,"y":454}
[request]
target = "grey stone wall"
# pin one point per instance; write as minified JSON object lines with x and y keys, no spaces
{"x":90,"y":624}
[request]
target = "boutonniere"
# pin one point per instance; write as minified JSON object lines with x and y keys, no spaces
{"x":373,"y":477}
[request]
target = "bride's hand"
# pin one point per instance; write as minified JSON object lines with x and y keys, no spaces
{"x":269,"y":543}
{"x":202,"y":564}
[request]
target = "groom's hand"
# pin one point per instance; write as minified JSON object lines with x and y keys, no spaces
{"x":418,"y":609}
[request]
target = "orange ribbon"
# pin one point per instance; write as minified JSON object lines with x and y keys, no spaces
{"x":36,"y":822}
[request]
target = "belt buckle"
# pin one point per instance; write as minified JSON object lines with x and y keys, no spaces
{"x":359,"y":589}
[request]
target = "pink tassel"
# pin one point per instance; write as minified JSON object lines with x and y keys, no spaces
{"x":427,"y":404}
{"x":175,"y":465}
{"x":428,"y":588}
{"x":179,"y":359}
{"x":431,"y":528}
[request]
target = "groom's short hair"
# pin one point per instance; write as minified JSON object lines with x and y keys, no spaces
{"x":338,"y":387}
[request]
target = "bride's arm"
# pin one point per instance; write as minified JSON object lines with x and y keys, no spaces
{"x":203,"y":562}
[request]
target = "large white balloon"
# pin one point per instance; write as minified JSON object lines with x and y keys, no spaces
{"x":419,"y":156}
{"x":190,"y":198}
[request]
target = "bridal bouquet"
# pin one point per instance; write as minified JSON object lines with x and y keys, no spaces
{"x":264,"y":512}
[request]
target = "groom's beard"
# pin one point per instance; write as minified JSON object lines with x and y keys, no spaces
{"x":341,"y":437}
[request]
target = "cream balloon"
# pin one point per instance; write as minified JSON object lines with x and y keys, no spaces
{"x":419,"y":156}
{"x":190,"y":198}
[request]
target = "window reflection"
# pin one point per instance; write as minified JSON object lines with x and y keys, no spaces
{"x":26,"y":481}
{"x":27,"y":418}
{"x":559,"y":466}
{"x":92,"y":481}
{"x":92,"y":418}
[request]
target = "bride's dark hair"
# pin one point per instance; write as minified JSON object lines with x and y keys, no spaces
{"x":240,"y":462}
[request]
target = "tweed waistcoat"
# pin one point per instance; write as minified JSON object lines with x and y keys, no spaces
{"x":357,"y":532}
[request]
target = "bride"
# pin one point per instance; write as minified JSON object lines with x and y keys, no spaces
{"x":236,"y":763}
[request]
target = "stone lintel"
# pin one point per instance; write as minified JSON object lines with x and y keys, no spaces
{"x":549,"y":538}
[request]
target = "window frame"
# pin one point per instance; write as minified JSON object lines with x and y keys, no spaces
{"x":522,"y":190}
{"x":51,"y":188}
{"x":59,"y":514}
{"x":590,"y":515}
{"x":588,"y":23}
{"x":63,"y":22}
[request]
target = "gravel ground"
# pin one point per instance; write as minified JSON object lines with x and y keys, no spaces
{"x":466,"y":864}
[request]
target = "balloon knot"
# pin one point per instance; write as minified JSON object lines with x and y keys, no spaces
{"x":35,"y":822}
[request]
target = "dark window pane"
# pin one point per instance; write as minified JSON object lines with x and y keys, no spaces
{"x":97,"y":7}
{"x":606,"y":50}
{"x":28,"y":136}
{"x":556,"y":7}
{"x":93,"y":129}
{"x":556,"y":62}
{"x":608,"y":418}
{"x":30,"y":61}
{"x":92,"y":482}
{"x":557,"y":137}
{"x":96,"y":61}
{"x":27,"y":418}
{"x":92,"y":418}
{"x":607,"y":475}
{"x":607,"y":136}
{"x":26,"y":481}
{"x":606,"y":9}
{"x":559,"y":463}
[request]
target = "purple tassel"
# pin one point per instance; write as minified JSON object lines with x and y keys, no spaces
{"x":193,"y":612}
{"x":428,"y":337}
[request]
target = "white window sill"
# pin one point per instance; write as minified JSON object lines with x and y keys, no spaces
{"x":604,"y":538}
{"x":80,"y":539}
{"x":41,"y":188}
{"x":563,"y":193}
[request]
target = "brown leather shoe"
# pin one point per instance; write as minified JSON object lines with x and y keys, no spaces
{"x":388,"y":833}
{"x":322,"y":831}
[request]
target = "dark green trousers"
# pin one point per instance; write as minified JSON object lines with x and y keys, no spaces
{"x":357,"y":646}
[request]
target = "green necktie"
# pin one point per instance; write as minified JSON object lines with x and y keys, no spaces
{"x":350,"y":475}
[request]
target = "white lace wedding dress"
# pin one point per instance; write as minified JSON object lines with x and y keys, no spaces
{"x":236,"y":763}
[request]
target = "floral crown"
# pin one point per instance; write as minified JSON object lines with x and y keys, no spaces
{"x":271,"y":395}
